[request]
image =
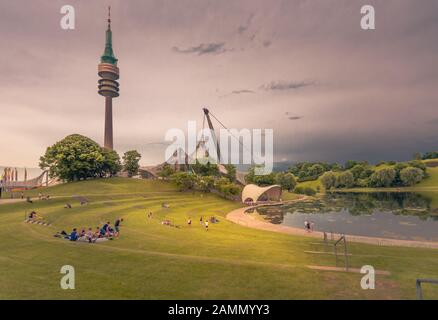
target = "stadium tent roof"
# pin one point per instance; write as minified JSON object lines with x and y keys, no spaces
{"x":254,"y":193}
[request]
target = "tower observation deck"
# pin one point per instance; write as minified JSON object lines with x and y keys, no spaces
{"x":107,"y":84}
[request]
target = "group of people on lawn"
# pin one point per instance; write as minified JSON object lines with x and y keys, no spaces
{"x":104,"y":232}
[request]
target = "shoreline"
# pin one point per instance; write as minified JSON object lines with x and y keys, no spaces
{"x":240,"y":217}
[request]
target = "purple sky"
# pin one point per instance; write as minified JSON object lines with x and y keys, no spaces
{"x":330,"y":90}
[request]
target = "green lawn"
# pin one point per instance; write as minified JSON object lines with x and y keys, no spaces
{"x":152,"y":261}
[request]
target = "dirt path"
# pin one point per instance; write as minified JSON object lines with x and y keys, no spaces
{"x":240,"y":217}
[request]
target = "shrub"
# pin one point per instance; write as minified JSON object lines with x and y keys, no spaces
{"x":328,"y":180}
{"x":410,"y":176}
{"x":286,"y":180}
{"x":305,"y":190}
{"x":345,"y":180}
{"x":383,"y":177}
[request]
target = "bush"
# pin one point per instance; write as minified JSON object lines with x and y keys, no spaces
{"x":226,"y":187}
{"x":383,"y":177}
{"x":345,"y":180}
{"x":286,"y":180}
{"x":309,"y":178}
{"x":305,"y":190}
{"x":184,"y":180}
{"x":328,"y":180}
{"x":410,"y":176}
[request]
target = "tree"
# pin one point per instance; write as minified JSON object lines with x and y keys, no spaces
{"x":77,"y":157}
{"x":345,"y":180}
{"x":184,"y":180}
{"x":260,"y":180}
{"x":111,"y":163}
{"x":166,"y":171}
{"x":316,"y":170}
{"x":207,"y":169}
{"x":231,"y":172}
{"x":130,"y":162}
{"x":226,"y":187}
{"x":286,"y":180}
{"x":328,"y":180}
{"x":430,"y":155}
{"x":383,"y":177}
{"x":417,"y":156}
{"x":410,"y":176}
{"x":205,"y":183}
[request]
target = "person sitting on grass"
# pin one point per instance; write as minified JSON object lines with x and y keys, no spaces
{"x":32,"y":215}
{"x":103,"y":230}
{"x":117,"y":225}
{"x":97,"y":233}
{"x":73,"y":235}
{"x":90,"y":236}
{"x":82,"y":233}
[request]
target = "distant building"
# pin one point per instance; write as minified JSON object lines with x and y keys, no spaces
{"x":253,"y":194}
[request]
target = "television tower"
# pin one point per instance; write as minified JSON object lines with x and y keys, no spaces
{"x":108,"y":85}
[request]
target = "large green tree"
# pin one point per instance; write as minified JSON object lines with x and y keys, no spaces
{"x":77,"y":157}
{"x":131,"y":161}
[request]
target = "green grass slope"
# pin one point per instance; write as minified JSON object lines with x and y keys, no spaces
{"x":153,"y":261}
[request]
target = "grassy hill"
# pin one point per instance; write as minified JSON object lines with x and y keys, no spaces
{"x":153,"y":261}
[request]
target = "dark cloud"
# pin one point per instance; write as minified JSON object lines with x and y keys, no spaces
{"x":238,"y":92}
{"x":244,"y":27}
{"x":267,"y":43}
{"x":204,"y":48}
{"x":294,"y":118}
{"x":285,"y":85}
{"x":242,"y":91}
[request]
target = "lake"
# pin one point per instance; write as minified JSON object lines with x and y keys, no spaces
{"x":396,"y":215}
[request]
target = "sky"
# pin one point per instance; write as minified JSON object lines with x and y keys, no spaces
{"x":304,"y":68}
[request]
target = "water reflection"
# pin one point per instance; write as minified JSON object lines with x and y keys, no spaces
{"x":400,"y":215}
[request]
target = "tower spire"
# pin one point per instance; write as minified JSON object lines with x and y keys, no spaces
{"x":109,"y":17}
{"x":108,"y":55}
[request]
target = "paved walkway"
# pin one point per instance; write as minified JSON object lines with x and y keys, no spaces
{"x":240,"y":217}
{"x":6,"y":201}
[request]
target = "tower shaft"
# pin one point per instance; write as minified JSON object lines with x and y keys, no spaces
{"x":108,"y":140}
